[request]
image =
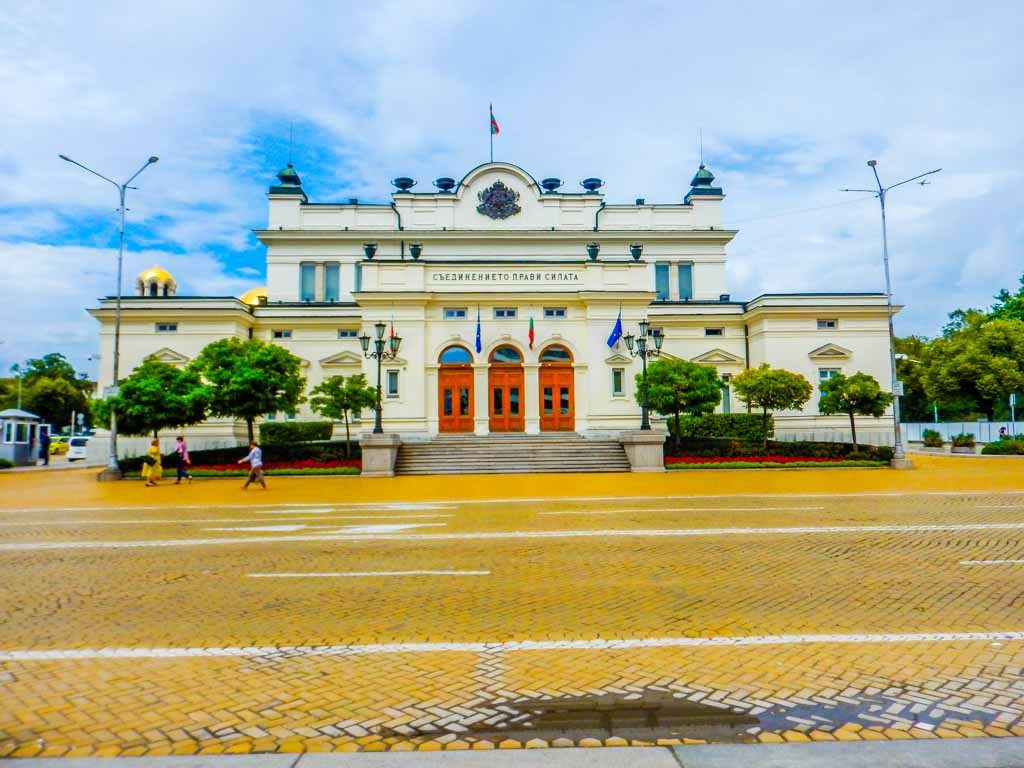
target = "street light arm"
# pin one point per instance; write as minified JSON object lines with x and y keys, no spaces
{"x":144,"y":167}
{"x":90,"y":170}
{"x":871,"y":191}
{"x":915,"y":178}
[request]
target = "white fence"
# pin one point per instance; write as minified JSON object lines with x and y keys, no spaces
{"x":983,"y":431}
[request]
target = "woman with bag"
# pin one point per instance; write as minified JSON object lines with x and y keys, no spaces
{"x":152,"y":470}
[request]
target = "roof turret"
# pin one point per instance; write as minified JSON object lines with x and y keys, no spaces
{"x":701,"y":184}
{"x":289,"y":182}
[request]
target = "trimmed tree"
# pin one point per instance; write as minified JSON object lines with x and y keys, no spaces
{"x":857,"y":395}
{"x":248,"y":379}
{"x":677,"y":387}
{"x":771,"y":389}
{"x":155,"y":396}
{"x":338,"y":397}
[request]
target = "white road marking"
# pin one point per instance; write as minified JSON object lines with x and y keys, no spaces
{"x":353,"y":574}
{"x":183,"y":521}
{"x":354,"y":534}
{"x":384,"y":528}
{"x":256,"y":528}
{"x":992,"y":562}
{"x":511,"y":646}
{"x":680,"y":509}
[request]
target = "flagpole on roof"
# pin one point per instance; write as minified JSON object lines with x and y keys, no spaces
{"x":490,"y":128}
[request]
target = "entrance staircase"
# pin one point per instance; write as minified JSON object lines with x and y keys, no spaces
{"x":510,"y":454}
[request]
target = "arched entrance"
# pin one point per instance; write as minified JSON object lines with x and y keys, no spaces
{"x":505,"y":390}
{"x":557,"y":392}
{"x":455,"y":390}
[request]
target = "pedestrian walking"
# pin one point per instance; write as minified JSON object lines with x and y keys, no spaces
{"x":44,"y":448}
{"x":181,"y":451}
{"x":152,"y":469}
{"x":255,"y":460}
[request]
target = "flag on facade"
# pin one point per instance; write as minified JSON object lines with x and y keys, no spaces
{"x":530,"y":334}
{"x":616,"y":333}
{"x":479,"y":345}
{"x":494,"y":124}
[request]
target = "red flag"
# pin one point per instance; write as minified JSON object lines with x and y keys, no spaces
{"x":531,"y":333}
{"x":494,"y":125}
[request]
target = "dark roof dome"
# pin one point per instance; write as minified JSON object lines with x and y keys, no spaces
{"x":703,"y":177}
{"x":289,"y":177}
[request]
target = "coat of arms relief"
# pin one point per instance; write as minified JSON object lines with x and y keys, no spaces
{"x":498,"y":201}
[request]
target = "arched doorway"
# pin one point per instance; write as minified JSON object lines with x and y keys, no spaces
{"x":505,"y":390}
{"x":557,"y":392}
{"x":455,"y":390}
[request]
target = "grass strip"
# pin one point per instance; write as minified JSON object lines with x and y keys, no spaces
{"x":776,"y":465}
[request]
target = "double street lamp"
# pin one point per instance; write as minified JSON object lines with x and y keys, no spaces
{"x":383,"y":349}
{"x":112,"y":466}
{"x":643,"y":346}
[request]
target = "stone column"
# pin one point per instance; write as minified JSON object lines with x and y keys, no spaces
{"x":379,"y":453}
{"x":581,"y":394}
{"x":645,"y":450}
{"x":531,"y":397}
{"x":481,"y":411}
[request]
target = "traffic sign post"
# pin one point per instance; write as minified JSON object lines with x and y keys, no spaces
{"x":1013,"y":415}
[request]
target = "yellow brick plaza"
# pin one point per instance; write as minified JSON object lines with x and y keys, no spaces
{"x":821,"y":604}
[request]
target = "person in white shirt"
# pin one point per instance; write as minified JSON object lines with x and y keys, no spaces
{"x":255,"y":460}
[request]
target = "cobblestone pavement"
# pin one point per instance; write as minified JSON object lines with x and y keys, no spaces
{"x":483,"y":612}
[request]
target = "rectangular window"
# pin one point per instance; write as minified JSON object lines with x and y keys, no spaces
{"x":828,"y":324}
{"x":657,"y":331}
{"x":726,"y":402}
{"x":271,"y":417}
{"x":454,"y":313}
{"x":685,"y":282}
{"x":553,"y":312}
{"x":289,"y":416}
{"x":504,"y":313}
{"x":307,"y":282}
{"x":548,"y":401}
{"x":21,"y":433}
{"x":166,"y":327}
{"x":714,"y":331}
{"x":358,"y":282}
{"x":661,"y":281}
{"x":392,"y":383}
{"x":9,"y":432}
{"x":281,"y":334}
{"x":348,"y":333}
{"x":618,"y":380}
{"x":332,"y":282}
{"x":824,"y":374}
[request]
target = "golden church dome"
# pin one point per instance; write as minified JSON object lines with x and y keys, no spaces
{"x":253,"y":295}
{"x":156,"y":273}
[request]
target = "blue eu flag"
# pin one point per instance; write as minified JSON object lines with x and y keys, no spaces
{"x":616,"y":333}
{"x":479,"y":346}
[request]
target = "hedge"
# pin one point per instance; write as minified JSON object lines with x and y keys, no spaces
{"x":295,"y":452}
{"x":1005,"y":448}
{"x":709,"y":446}
{"x":5,"y":464}
{"x":746,"y":426}
{"x":776,"y":465}
{"x":280,"y":432}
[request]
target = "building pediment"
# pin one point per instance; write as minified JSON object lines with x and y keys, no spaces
{"x":169,"y":356}
{"x":830,"y":352}
{"x":718,"y":357}
{"x":342,"y":360}
{"x":618,"y":359}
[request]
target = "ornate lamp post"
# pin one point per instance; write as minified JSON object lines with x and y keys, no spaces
{"x":379,"y":353}
{"x":640,"y":346}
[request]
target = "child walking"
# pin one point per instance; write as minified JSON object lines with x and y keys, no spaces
{"x":255,"y":460}
{"x":183,"y":460}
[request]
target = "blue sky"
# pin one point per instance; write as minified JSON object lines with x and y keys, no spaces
{"x":792,"y":99}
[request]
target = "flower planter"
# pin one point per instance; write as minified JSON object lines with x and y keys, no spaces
{"x":962,"y":449}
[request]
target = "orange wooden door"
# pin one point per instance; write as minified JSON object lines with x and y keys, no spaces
{"x":455,"y":399}
{"x":505,"y":390}
{"x":557,"y":399}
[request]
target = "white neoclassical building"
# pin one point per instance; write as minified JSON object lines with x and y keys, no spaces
{"x":463,"y":273}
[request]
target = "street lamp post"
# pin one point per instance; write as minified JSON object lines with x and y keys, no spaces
{"x":880,"y":193}
{"x":383,"y":349}
{"x":113,"y":469}
{"x":640,"y":346}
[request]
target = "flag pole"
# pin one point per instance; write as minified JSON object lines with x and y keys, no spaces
{"x":490,"y":128}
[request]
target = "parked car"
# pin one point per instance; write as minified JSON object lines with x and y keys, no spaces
{"x":59,"y":445}
{"x":76,"y":448}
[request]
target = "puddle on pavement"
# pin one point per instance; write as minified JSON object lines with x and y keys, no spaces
{"x":647,"y":716}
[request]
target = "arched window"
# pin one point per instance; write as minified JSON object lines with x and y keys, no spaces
{"x":456,"y":356}
{"x":167,"y":289}
{"x":152,"y":289}
{"x":506,"y":355}
{"x":556,"y":354}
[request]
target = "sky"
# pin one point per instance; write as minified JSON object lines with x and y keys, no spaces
{"x":792,"y":99}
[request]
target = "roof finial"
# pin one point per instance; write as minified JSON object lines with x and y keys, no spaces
{"x":291,"y":127}
{"x":700,"y":139}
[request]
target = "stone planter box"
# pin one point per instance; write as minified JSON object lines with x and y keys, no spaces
{"x":933,"y":449}
{"x":962,"y":449}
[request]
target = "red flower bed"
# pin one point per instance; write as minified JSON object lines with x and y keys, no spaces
{"x":271,"y":465}
{"x":735,"y":459}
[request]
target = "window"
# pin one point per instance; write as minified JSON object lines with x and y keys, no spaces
{"x":358,"y":282}
{"x":454,"y":313}
{"x":554,"y":311}
{"x":456,"y":356}
{"x":9,"y":432}
{"x":685,"y":282}
{"x":504,"y":313}
{"x":281,"y":334}
{"x":824,"y":374}
{"x":166,"y":327}
{"x":726,"y":402}
{"x":332,"y":282}
{"x":271,"y":417}
{"x":618,"y":382}
{"x":828,"y":324}
{"x":661,"y":281}
{"x":656,"y":331}
{"x":289,"y":416}
{"x":556,"y":354}
{"x":392,"y":384}
{"x":714,"y":331}
{"x":153,"y":290}
{"x":307,"y":282}
{"x":348,"y":333}
{"x":506,"y":355}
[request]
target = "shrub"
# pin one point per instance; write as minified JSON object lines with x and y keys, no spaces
{"x":332,"y":451}
{"x":963,"y":440}
{"x":280,"y":432}
{"x":1005,"y":447}
{"x":932,"y":439}
{"x":708,"y":446}
{"x":745,"y":426}
{"x":5,"y":464}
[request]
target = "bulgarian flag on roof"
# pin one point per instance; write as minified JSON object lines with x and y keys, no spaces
{"x":530,"y":334}
{"x":494,"y":123}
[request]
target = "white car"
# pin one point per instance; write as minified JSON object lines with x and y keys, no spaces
{"x":76,"y":448}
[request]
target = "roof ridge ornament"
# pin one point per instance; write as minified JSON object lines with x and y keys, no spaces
{"x":498,"y":201}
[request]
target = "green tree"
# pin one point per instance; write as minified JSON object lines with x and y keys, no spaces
{"x":53,"y":400}
{"x":338,"y":398}
{"x":857,"y":395}
{"x":51,"y":366}
{"x":155,"y":396}
{"x":1009,"y":306}
{"x":771,"y":389}
{"x":983,"y":361}
{"x":247,"y":379}
{"x":676,"y":387}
